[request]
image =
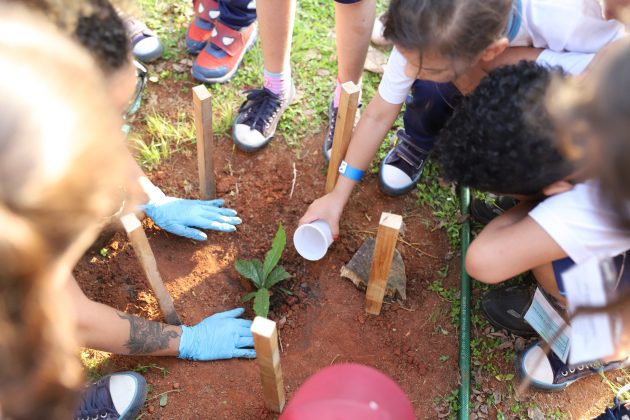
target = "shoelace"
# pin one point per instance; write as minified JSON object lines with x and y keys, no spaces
{"x":331,"y":128}
{"x":95,"y":403}
{"x":260,"y":108}
{"x":409,"y":152}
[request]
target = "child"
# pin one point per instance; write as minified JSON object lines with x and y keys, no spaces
{"x":454,"y":40}
{"x":501,"y":139}
{"x":56,"y":126}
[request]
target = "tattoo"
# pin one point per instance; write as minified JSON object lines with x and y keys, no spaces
{"x":146,"y":336}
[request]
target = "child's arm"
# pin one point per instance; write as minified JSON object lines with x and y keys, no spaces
{"x":366,"y":139}
{"x":509,"y":245}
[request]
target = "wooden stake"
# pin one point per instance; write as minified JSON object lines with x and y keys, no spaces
{"x":202,"y":103}
{"x":386,"y":238}
{"x":348,"y":104}
{"x":141,"y":246}
{"x":268,"y":357}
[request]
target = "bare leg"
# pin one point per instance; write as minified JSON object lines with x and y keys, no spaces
{"x":275,"y":20}
{"x":547,"y":280}
{"x":353,"y":25}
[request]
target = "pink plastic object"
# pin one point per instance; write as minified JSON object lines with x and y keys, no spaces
{"x":349,"y":392}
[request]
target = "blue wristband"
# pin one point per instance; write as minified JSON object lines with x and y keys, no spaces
{"x":349,"y":172}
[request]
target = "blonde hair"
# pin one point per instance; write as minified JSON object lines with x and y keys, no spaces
{"x":61,"y":167}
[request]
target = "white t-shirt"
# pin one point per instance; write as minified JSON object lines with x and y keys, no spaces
{"x":581,"y":224}
{"x":570,"y":31}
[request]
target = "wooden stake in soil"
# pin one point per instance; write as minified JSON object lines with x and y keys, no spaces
{"x":386,"y":238}
{"x":141,"y":246}
{"x":202,"y":103}
{"x":348,"y":104}
{"x":268,"y":357}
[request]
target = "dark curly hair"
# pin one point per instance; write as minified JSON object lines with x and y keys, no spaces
{"x":501,"y":137}
{"x":102,"y":31}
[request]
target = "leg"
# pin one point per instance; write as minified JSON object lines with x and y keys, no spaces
{"x":258,"y":117}
{"x":547,"y":277}
{"x":353,"y":24}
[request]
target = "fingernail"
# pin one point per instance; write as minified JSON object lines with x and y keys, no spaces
{"x":335,"y":237}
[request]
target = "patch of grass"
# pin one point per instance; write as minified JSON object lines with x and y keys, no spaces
{"x":443,"y":202}
{"x":146,"y":368}
{"x":163,"y":138}
{"x":93,"y":361}
{"x":448,"y":403}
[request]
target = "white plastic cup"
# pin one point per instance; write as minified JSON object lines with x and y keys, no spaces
{"x":312,"y":240}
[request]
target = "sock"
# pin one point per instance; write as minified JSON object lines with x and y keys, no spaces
{"x":337,"y":95}
{"x":278,"y":83}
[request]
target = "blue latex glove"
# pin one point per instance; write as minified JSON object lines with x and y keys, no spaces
{"x":220,"y":336}
{"x":181,"y":216}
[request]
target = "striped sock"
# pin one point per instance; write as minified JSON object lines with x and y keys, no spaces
{"x":278,"y":83}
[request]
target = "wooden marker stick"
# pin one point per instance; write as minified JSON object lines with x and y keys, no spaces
{"x":268,"y":357}
{"x":141,"y":246}
{"x":344,"y":125}
{"x":386,"y":238}
{"x":202,"y":103}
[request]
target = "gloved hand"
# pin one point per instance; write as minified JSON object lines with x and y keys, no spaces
{"x":179,"y":216}
{"x":220,"y":336}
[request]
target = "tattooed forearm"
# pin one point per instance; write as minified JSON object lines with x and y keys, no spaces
{"x":146,"y":336}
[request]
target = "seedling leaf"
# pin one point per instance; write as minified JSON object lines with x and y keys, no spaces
{"x":273,"y":255}
{"x":249,"y":296}
{"x":276,"y":276}
{"x":261,"y":302}
{"x":163,"y":400}
{"x":249,"y":269}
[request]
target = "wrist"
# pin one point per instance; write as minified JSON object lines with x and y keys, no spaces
{"x":153,"y":192}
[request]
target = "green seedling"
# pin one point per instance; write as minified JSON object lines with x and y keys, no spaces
{"x":264,"y":275}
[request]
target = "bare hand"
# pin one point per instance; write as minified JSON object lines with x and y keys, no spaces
{"x":328,"y":208}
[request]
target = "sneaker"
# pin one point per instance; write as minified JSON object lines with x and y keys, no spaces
{"x":546,"y":372}
{"x":401,"y":169}
{"x":332,"y":123}
{"x":484,"y":211}
{"x":377,"y":37}
{"x":620,"y":409}
{"x":223,"y":53}
{"x":258,"y":118}
{"x":118,"y":396}
{"x":200,"y":29}
{"x":505,"y":307}
{"x":146,"y":45}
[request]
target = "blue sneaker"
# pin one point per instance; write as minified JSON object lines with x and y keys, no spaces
{"x":546,"y":372}
{"x":118,"y":396}
{"x":402,"y":168}
{"x":258,"y":117}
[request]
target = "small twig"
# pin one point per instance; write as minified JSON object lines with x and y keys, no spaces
{"x":163,"y":393}
{"x":406,"y":309}
{"x":280,"y":341}
{"x":417,"y":249}
{"x":293,"y":182}
{"x":333,"y":360}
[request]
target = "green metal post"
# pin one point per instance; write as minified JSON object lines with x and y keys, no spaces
{"x":464,"y":317}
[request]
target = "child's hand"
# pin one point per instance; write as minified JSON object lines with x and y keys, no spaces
{"x":328,"y":208}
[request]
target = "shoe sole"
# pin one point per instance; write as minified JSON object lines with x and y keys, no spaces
{"x":232,"y":72}
{"x":250,"y":149}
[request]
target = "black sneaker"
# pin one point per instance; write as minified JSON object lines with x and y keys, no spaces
{"x":484,"y":211}
{"x":118,"y":396}
{"x":332,"y":123}
{"x":258,"y":118}
{"x":505,"y":308}
{"x":401,"y":169}
{"x":546,"y":372}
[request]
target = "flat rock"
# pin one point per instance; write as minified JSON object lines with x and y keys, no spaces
{"x":375,"y":61}
{"x":358,"y":271}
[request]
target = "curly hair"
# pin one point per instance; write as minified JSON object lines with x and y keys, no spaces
{"x":501,"y":137}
